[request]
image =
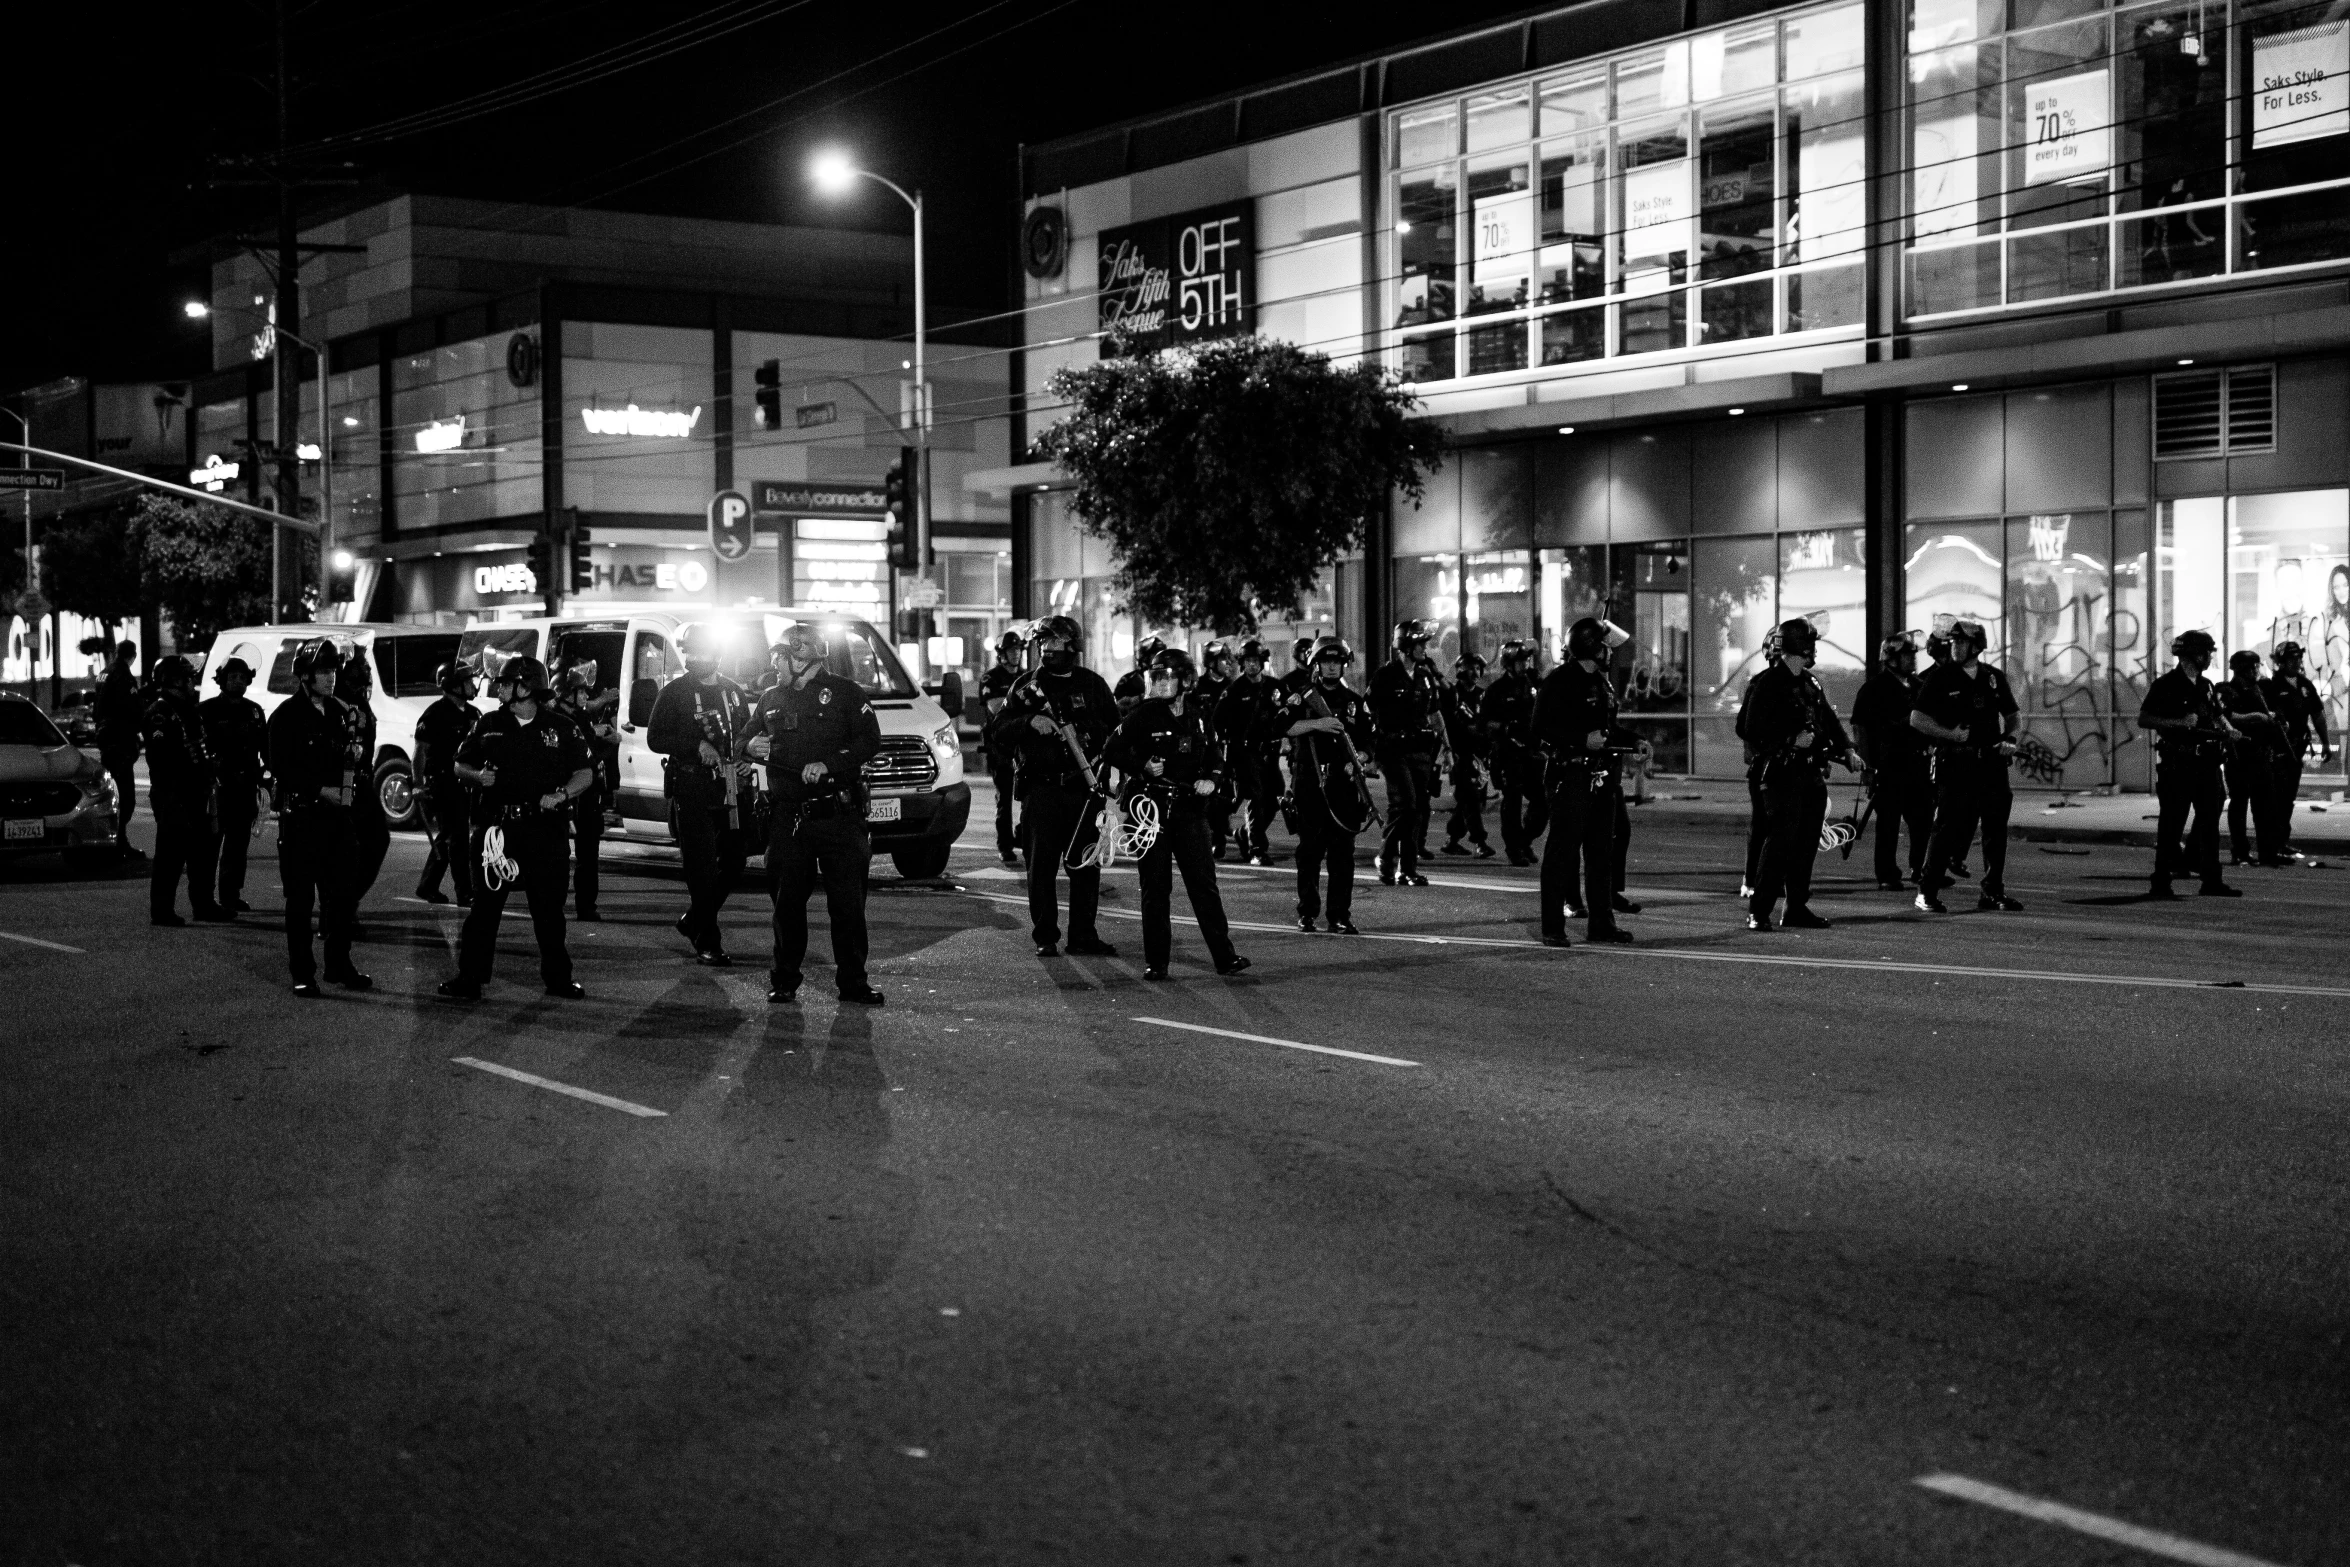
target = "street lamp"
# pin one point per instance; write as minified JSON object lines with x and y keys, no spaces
{"x":834,"y":173}
{"x":197,"y":310}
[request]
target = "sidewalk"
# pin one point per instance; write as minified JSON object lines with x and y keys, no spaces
{"x":2040,"y":815}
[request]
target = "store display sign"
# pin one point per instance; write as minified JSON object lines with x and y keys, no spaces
{"x":2068,"y":129}
{"x":819,"y":500}
{"x":1656,"y":198}
{"x":1504,"y":239}
{"x":1180,"y":279}
{"x":2301,"y":85}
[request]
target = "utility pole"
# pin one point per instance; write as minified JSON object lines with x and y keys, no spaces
{"x":288,"y":358}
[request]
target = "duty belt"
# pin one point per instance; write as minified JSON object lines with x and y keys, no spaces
{"x":520,"y":813}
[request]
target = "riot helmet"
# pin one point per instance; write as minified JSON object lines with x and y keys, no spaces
{"x":2287,"y":658}
{"x":1468,"y":667}
{"x":2194,"y":645}
{"x":454,"y":676}
{"x":1301,"y":652}
{"x":525,"y":679}
{"x":1147,"y":649}
{"x":1410,"y":640}
{"x":353,"y":681}
{"x":1256,"y":650}
{"x":1063,"y":631}
{"x":1170,"y":673}
{"x":1798,"y":638}
{"x":315,"y":658}
{"x":237,"y":667}
{"x":1899,"y":651}
{"x":801,"y":643}
{"x":702,"y":647}
{"x":1966,"y":635}
{"x":175,"y":672}
{"x":1330,"y":659}
{"x":1516,"y":654}
{"x":1216,"y":657}
{"x":2244,"y":662}
{"x":1009,"y":647}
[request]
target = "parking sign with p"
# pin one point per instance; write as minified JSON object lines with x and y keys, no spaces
{"x":730,"y":524}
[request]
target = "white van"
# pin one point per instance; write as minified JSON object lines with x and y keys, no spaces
{"x":919,"y":801}
{"x":404,"y":659}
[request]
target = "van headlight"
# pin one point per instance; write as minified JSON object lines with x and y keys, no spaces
{"x":943,"y":741}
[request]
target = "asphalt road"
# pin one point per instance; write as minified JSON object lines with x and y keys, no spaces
{"x":1704,"y":1251}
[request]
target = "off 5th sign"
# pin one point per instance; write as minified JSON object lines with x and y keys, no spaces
{"x":730,"y":525}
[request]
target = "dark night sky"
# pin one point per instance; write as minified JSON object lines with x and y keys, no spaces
{"x":114,"y":141}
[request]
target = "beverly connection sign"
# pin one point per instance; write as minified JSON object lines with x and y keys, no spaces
{"x":32,"y":478}
{"x":1180,"y":279}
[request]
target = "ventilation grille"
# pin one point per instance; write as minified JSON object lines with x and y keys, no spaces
{"x":2216,"y":413}
{"x":904,"y":762}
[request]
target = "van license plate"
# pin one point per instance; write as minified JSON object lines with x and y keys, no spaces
{"x":875,"y":810}
{"x":39,"y":830}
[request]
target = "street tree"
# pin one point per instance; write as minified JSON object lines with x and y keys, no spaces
{"x":1227,"y":477}
{"x":206,"y":566}
{"x":88,"y":568}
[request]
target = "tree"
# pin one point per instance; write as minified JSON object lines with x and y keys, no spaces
{"x":1228,"y":476}
{"x":88,"y":568}
{"x":207,"y":566}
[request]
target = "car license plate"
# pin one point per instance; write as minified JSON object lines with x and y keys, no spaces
{"x":39,"y":830}
{"x":875,"y":810}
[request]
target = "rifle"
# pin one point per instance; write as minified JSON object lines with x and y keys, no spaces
{"x":1320,"y":708}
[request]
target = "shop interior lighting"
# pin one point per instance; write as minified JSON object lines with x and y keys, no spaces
{"x":1566,"y":429}
{"x":1735,"y":412}
{"x":196,"y":309}
{"x":2186,"y":361}
{"x":1958,"y":386}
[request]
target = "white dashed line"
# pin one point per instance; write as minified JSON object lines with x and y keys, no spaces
{"x":548,"y":1083}
{"x":1266,"y":1039}
{"x":2152,"y":1541}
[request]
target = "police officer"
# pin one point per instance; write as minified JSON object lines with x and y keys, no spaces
{"x":1217,"y":674}
{"x":696,"y":723}
{"x":371,"y":831}
{"x":1330,"y":735}
{"x":1130,"y":686}
{"x":1472,"y":748}
{"x":1937,"y":655}
{"x":1245,"y":726}
{"x":1301,"y":665}
{"x":181,"y":776}
{"x":1901,"y":788}
{"x":238,"y":734}
{"x":994,"y":686}
{"x":1054,"y":793}
{"x":2301,"y":717}
{"x":118,"y":712}
{"x":441,"y":730}
{"x":815,"y":731}
{"x":1165,"y":752}
{"x":531,"y":765}
{"x":317,"y":786}
{"x":1404,"y":696}
{"x":595,"y":708}
{"x":1575,"y":726}
{"x":1758,"y":819}
{"x":1968,"y":710}
{"x":2191,"y":737}
{"x":1507,"y":709}
{"x":1793,"y":733}
{"x":2251,"y":762}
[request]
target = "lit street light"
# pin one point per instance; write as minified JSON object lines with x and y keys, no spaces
{"x":197,"y":310}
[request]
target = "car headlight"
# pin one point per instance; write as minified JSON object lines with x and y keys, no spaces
{"x":943,"y":741}
{"x":97,"y":791}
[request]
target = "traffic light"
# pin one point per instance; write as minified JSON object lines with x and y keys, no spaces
{"x":342,"y":577}
{"x":897,"y":488}
{"x":769,"y":396}
{"x":583,"y":566}
{"x":541,"y":558}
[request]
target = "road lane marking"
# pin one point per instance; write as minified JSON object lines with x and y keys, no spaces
{"x":35,"y":941}
{"x":548,"y":1083}
{"x":2153,"y":1541}
{"x":1267,"y":1039}
{"x":1777,"y":960}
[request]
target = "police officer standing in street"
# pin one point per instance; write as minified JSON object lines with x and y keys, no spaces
{"x":1900,"y":784}
{"x":2191,"y":738}
{"x":181,"y":777}
{"x":1575,"y":726}
{"x":815,"y":731}
{"x":2251,"y":763}
{"x":531,"y":765}
{"x":371,"y":832}
{"x":1174,"y":770}
{"x":441,"y":731}
{"x":2301,"y":718}
{"x":1508,"y":712}
{"x":310,"y":757}
{"x":595,"y":708}
{"x":118,"y":711}
{"x":1129,"y":690}
{"x":1301,"y":665}
{"x":1245,"y":726}
{"x":1472,"y":748}
{"x":1215,"y":682}
{"x":1794,"y":735}
{"x":696,"y":723}
{"x":1054,"y":794}
{"x":1758,"y":820}
{"x":238,"y":734}
{"x":1330,"y":734}
{"x":994,"y":686}
{"x":1968,"y":710}
{"x":1404,"y":695}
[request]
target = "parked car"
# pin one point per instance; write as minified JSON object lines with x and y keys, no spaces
{"x":53,"y":796}
{"x":77,"y":715}
{"x":403,"y":659}
{"x":918,"y":802}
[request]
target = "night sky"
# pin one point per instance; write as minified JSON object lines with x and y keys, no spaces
{"x":115,"y":139}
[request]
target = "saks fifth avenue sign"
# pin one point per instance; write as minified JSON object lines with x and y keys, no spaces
{"x":1180,"y":279}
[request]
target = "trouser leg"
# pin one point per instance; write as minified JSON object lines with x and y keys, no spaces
{"x":1917,"y":809}
{"x":587,"y":827}
{"x":2175,"y":793}
{"x":1994,"y":801}
{"x":1757,"y":827}
{"x":713,"y":853}
{"x":235,"y":842}
{"x":1888,"y":802}
{"x":791,"y":877}
{"x":175,"y":844}
{"x":844,"y":858}
{"x":544,"y":853}
{"x":2203,"y":836}
{"x":477,"y":943}
{"x":338,"y":889}
{"x":1623,"y":855}
{"x":1793,"y":810}
{"x":1513,"y":809}
{"x":1562,"y":853}
{"x":1338,"y":865}
{"x":2242,"y":790}
{"x":1399,"y":843}
{"x":297,"y":869}
{"x":122,"y":767}
{"x":371,"y":841}
{"x":1195,"y":856}
{"x":1156,"y":872}
{"x":1006,"y":781}
{"x":1954,"y":825}
{"x":1309,"y":871}
{"x":1601,"y":830}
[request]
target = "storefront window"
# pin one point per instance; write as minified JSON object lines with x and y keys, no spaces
{"x":1428,"y":587}
{"x":466,"y":443}
{"x":638,"y":431}
{"x":355,"y":423}
{"x":1823,"y":576}
{"x":1497,"y":600}
{"x":1953,"y":571}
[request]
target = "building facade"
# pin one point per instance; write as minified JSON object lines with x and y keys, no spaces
{"x":2026,"y":311}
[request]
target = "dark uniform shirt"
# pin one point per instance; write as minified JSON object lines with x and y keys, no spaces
{"x":1129,"y":690}
{"x":179,"y":760}
{"x":1207,"y":696}
{"x":1507,"y":710}
{"x":2300,"y":712}
{"x":1154,"y":731}
{"x":238,"y":734}
{"x":1571,"y":703}
{"x":1076,"y":697}
{"x":1880,"y":723}
{"x":1780,"y":705}
{"x":1466,"y":704}
{"x":117,"y":711}
{"x":828,"y":720}
{"x":687,"y":714}
{"x":309,"y":750}
{"x":1980,"y":703}
{"x":532,"y":760}
{"x":2246,"y":705}
{"x":442,"y":729}
{"x":1321,"y":757}
{"x":1404,"y":698}
{"x":994,"y":686}
{"x":2179,"y":694}
{"x":1245,"y":718}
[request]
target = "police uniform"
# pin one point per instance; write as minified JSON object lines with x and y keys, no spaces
{"x":819,"y":829}
{"x":1790,"y":782}
{"x":1466,"y":724}
{"x":181,"y":777}
{"x":1325,"y":801}
{"x":2251,"y":772}
{"x":1187,"y":754}
{"x":118,"y":713}
{"x":1404,"y":696}
{"x":1507,"y":709}
{"x":705,"y":803}
{"x":1245,"y":725}
{"x":1002,"y":771}
{"x":1900,"y":780}
{"x":591,"y":709}
{"x":1053,"y":794}
{"x":1971,"y":788}
{"x":440,"y":733}
{"x":371,"y":832}
{"x":2301,"y":716}
{"x":532,"y":761}
{"x":238,"y":734}
{"x":309,"y":751}
{"x":1586,"y":793}
{"x":2187,"y":777}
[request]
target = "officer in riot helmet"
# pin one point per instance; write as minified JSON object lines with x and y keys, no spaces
{"x":696,"y":722}
{"x":440,"y":731}
{"x":1056,"y":719}
{"x":1330,"y":733}
{"x":2251,"y":765}
{"x":1130,"y":687}
{"x":1792,"y":731}
{"x":317,"y":788}
{"x":1173,"y":772}
{"x":1217,"y":673}
{"x":1472,"y":753}
{"x":1508,"y":712}
{"x":2301,"y":715}
{"x":181,"y":776}
{"x":1757,"y":819}
{"x":354,"y":686}
{"x":994,"y":686}
{"x":530,"y":765}
{"x":595,"y":708}
{"x":1300,"y":672}
{"x":1901,"y":785}
{"x":1245,"y":726}
{"x":1583,"y":746}
{"x":2191,"y":739}
{"x":815,"y":731}
{"x":1968,"y":710}
{"x":1406,"y":696}
{"x":237,"y":731}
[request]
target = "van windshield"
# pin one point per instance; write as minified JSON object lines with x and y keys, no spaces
{"x":405,"y":665}
{"x":487,"y":648}
{"x":858,"y":652}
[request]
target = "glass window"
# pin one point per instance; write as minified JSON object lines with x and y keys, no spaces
{"x":1574,"y":103}
{"x":1740,"y":60}
{"x":1498,"y":119}
{"x":405,"y":666}
{"x":1428,"y":587}
{"x":1502,"y":235}
{"x":1953,"y":571}
{"x":1823,"y":576}
{"x":1573,"y":584}
{"x":1734,"y":605}
{"x":1426,"y":135}
{"x":2059,"y":611}
{"x":1425,"y":245}
{"x":1956,"y":133}
{"x":1827,"y":207}
{"x":1571,"y":264}
{"x":2290,"y":139}
{"x":355,"y":426}
{"x":1822,"y":41}
{"x":637,"y":431}
{"x":652,"y":660}
{"x":2132,"y":619}
{"x":465,"y":439}
{"x":1655,"y":664}
{"x":2283,"y":550}
{"x":1736,"y":189}
{"x":1497,"y":600}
